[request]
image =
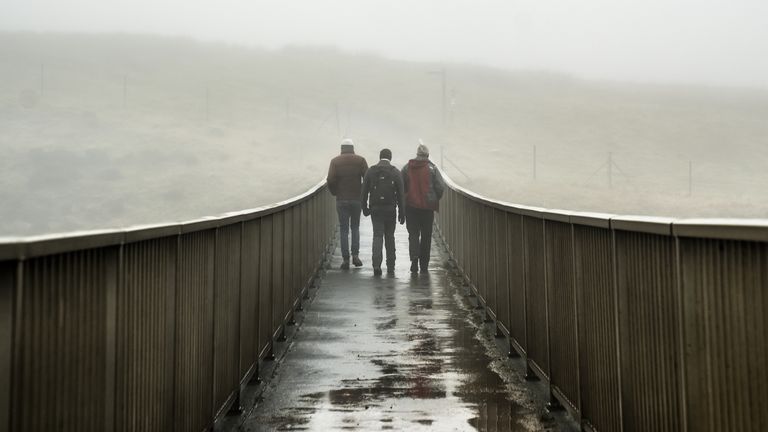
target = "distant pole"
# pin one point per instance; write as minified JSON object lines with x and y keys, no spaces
{"x":610,"y":170}
{"x":287,"y":110}
{"x":690,"y":178}
{"x":452,"y":106}
{"x":534,"y":162}
{"x":338,"y":121}
{"x":349,"y":122}
{"x":444,"y":84}
{"x":442,"y":153}
{"x":207,"y":104}
{"x":445,"y":106}
{"x":125,"y":91}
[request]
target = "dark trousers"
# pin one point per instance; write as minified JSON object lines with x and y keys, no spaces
{"x":384,"y":223}
{"x":349,"y":215}
{"x":419,"y":223}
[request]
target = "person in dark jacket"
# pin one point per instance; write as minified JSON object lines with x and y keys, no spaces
{"x":344,"y":182}
{"x":382,"y":198}
{"x":423,"y":189}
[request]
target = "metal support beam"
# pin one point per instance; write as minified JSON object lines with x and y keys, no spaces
{"x":7,"y":288}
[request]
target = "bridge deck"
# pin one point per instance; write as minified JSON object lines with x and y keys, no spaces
{"x":396,"y":353}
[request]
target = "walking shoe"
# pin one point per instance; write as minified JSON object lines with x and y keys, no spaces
{"x":377,"y":271}
{"x":390,"y":271}
{"x":356,"y":261}
{"x":415,"y":266}
{"x":424,"y":266}
{"x":345,"y":264}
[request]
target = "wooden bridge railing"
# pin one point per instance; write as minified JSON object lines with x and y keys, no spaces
{"x":153,"y":328}
{"x":636,"y":324}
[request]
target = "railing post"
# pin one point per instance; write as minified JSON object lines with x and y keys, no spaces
{"x":249,"y":293}
{"x":501,"y":266}
{"x":278,"y":281}
{"x":553,"y":404}
{"x":214,"y":352}
{"x":683,"y":396}
{"x":576,"y":312}
{"x":306,"y":243}
{"x":16,"y":403}
{"x":172,"y":323}
{"x":488,"y":243}
{"x":113,"y":261}
{"x":313,"y":230}
{"x":298,"y":279}
{"x":236,"y":407}
{"x":473,"y":260}
{"x":529,"y":374}
{"x":517,"y":315}
{"x":8,"y":271}
{"x":265,"y":292}
{"x":616,"y":326}
{"x":288,"y":271}
{"x":458,"y":250}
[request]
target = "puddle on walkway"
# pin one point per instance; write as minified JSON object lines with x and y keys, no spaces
{"x":394,"y":353}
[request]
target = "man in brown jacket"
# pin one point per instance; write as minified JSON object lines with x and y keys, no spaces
{"x":345,"y":175}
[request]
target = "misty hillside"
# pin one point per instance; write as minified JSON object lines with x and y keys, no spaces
{"x":104,"y":131}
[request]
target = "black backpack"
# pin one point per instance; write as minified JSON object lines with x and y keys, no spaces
{"x":383,"y":188}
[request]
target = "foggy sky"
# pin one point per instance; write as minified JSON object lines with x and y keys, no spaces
{"x":720,"y":42}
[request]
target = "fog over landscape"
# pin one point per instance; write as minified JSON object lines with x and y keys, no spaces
{"x":123,"y":113}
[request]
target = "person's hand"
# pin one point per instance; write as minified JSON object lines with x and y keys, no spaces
{"x":401,"y":218}
{"x":366,"y":211}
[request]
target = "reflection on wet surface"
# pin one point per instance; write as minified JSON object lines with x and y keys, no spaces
{"x":394,"y":353}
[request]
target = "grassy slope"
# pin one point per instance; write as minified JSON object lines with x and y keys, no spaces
{"x":81,"y":159}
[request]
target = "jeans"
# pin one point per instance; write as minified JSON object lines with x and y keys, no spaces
{"x":419,"y":223}
{"x":349,"y":214}
{"x":384,"y":223}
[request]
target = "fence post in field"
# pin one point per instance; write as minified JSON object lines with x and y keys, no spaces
{"x":690,"y":178}
{"x":207,"y":104}
{"x":610,"y":170}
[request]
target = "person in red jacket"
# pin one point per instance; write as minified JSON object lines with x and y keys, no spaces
{"x":345,"y":177}
{"x":423,"y":186}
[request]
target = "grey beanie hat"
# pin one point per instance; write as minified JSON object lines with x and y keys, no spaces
{"x":422,"y":150}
